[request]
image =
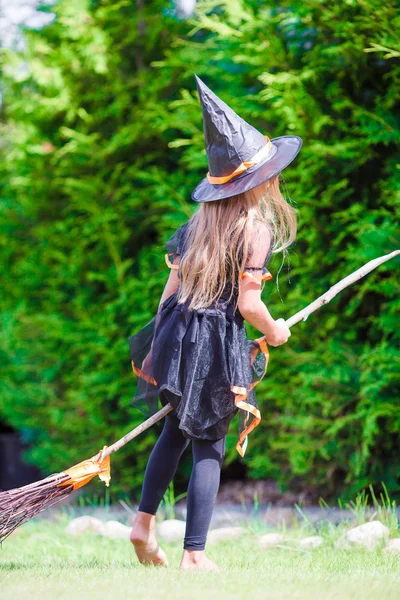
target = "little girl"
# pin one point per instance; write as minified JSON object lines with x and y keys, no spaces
{"x":195,"y":354}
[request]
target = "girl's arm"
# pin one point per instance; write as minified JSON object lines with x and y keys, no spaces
{"x":253,"y":310}
{"x":250,"y":304}
{"x":170,"y":288}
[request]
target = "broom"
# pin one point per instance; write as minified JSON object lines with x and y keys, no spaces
{"x":22,"y":504}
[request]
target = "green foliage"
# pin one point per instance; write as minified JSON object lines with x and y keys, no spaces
{"x":170,"y":500}
{"x":102,"y":144}
{"x":86,"y":202}
{"x":384,"y":509}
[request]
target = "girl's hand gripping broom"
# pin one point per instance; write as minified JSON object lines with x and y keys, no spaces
{"x":22,"y":504}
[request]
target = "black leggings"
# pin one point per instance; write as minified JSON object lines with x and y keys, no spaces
{"x":203,"y":484}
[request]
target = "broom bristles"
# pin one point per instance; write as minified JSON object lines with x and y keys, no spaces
{"x":22,"y":504}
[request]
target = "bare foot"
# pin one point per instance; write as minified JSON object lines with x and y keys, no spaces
{"x":196,"y":560}
{"x":144,"y":540}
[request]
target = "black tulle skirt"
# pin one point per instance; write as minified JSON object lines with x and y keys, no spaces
{"x":203,"y":364}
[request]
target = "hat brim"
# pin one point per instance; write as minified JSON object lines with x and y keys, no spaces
{"x":288,"y":147}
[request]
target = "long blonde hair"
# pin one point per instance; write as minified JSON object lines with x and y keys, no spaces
{"x":218,"y":240}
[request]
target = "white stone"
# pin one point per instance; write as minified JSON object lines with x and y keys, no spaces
{"x":223,"y":534}
{"x":271,"y":540}
{"x":171,"y":530}
{"x":368,"y":535}
{"x":82,"y":524}
{"x":311,"y":542}
{"x":393,"y":546}
{"x":115,"y":530}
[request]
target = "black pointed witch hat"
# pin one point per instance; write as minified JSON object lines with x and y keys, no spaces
{"x":239,"y":157}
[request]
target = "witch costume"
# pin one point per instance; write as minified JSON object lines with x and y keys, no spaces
{"x":200,"y":361}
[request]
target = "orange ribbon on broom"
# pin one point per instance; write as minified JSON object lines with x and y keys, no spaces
{"x":84,"y":471}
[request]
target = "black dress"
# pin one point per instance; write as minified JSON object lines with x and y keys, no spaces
{"x":201,"y":360}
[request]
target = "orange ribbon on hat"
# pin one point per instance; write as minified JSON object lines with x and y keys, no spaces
{"x":244,"y":165}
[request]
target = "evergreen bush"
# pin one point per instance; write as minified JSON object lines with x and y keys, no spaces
{"x":102,"y":145}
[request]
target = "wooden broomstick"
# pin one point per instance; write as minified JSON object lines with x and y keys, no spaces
{"x":22,"y":504}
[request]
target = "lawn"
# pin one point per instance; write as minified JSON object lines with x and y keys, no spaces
{"x":42,"y":561}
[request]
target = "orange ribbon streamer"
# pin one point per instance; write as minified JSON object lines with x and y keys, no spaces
{"x":83,"y":472}
{"x":146,"y":376}
{"x":169,"y":263}
{"x":241,"y":396}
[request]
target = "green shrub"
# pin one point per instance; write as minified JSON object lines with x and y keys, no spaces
{"x":102,"y":145}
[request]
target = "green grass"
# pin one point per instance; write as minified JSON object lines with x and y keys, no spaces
{"x":41,"y":561}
